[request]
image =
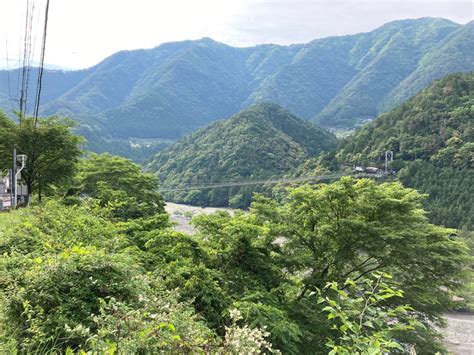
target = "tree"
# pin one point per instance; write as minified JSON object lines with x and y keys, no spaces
{"x":351,"y":228}
{"x":118,"y":181}
{"x":7,"y":129}
{"x":71,"y":283}
{"x":276,"y":258}
{"x":51,"y":148}
{"x":67,"y":280}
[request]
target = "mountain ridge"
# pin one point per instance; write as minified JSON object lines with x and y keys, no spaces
{"x":177,"y":87}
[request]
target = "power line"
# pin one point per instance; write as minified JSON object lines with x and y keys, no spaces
{"x":41,"y":67}
{"x":30,"y":53}
{"x":204,"y":186}
{"x":26,"y":58}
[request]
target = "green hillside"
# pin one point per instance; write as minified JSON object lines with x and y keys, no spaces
{"x":173,"y":89}
{"x":432,"y":137}
{"x":454,"y":54}
{"x":262,"y":141}
{"x":383,"y":59}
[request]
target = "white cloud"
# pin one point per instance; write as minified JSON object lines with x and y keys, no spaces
{"x":83,"y":32}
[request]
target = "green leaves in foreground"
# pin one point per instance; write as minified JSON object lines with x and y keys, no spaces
{"x":359,"y":313}
{"x":79,"y":277}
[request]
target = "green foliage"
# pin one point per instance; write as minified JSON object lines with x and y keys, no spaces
{"x":365,"y":324}
{"x":79,"y":278}
{"x":434,"y":126}
{"x":350,"y":228}
{"x":56,"y":263}
{"x":139,"y":150}
{"x":156,"y":323}
{"x":51,"y":148}
{"x":258,"y":143}
{"x":454,"y":54}
{"x":450,"y":191}
{"x":72,"y":280}
{"x":271,"y":262}
{"x":118,"y":181}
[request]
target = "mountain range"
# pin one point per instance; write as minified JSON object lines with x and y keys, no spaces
{"x":178,"y":87}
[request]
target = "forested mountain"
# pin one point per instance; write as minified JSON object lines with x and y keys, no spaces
{"x":178,"y":87}
{"x":262,"y":141}
{"x":432,"y":137}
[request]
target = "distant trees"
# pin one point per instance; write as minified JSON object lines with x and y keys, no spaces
{"x":260,"y":142}
{"x":52,"y":151}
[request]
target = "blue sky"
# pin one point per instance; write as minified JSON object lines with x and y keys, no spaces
{"x":83,"y":32}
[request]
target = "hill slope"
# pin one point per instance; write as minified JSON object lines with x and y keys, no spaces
{"x":178,"y":87}
{"x":432,"y":137}
{"x":262,"y":141}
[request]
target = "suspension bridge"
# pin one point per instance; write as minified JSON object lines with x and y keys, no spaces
{"x":274,"y":181}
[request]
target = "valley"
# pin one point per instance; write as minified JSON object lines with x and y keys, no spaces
{"x":202,"y":198}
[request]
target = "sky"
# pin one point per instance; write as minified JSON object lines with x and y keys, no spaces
{"x":81,"y":33}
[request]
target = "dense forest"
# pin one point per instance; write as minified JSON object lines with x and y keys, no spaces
{"x":260,"y":142}
{"x":173,"y":89}
{"x":432,"y":137}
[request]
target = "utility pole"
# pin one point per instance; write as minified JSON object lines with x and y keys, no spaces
{"x":22,"y":159}
{"x":388,"y":155}
{"x":13,"y":187}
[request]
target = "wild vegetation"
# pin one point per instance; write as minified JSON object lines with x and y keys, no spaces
{"x":343,"y":267}
{"x":360,"y":266}
{"x":260,"y":142}
{"x":293,"y":277}
{"x":432,"y":137}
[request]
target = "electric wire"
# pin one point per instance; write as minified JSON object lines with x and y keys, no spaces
{"x":275,"y":181}
{"x":30,"y":55}
{"x":27,"y":53}
{"x":23,"y":67}
{"x":41,"y":66}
